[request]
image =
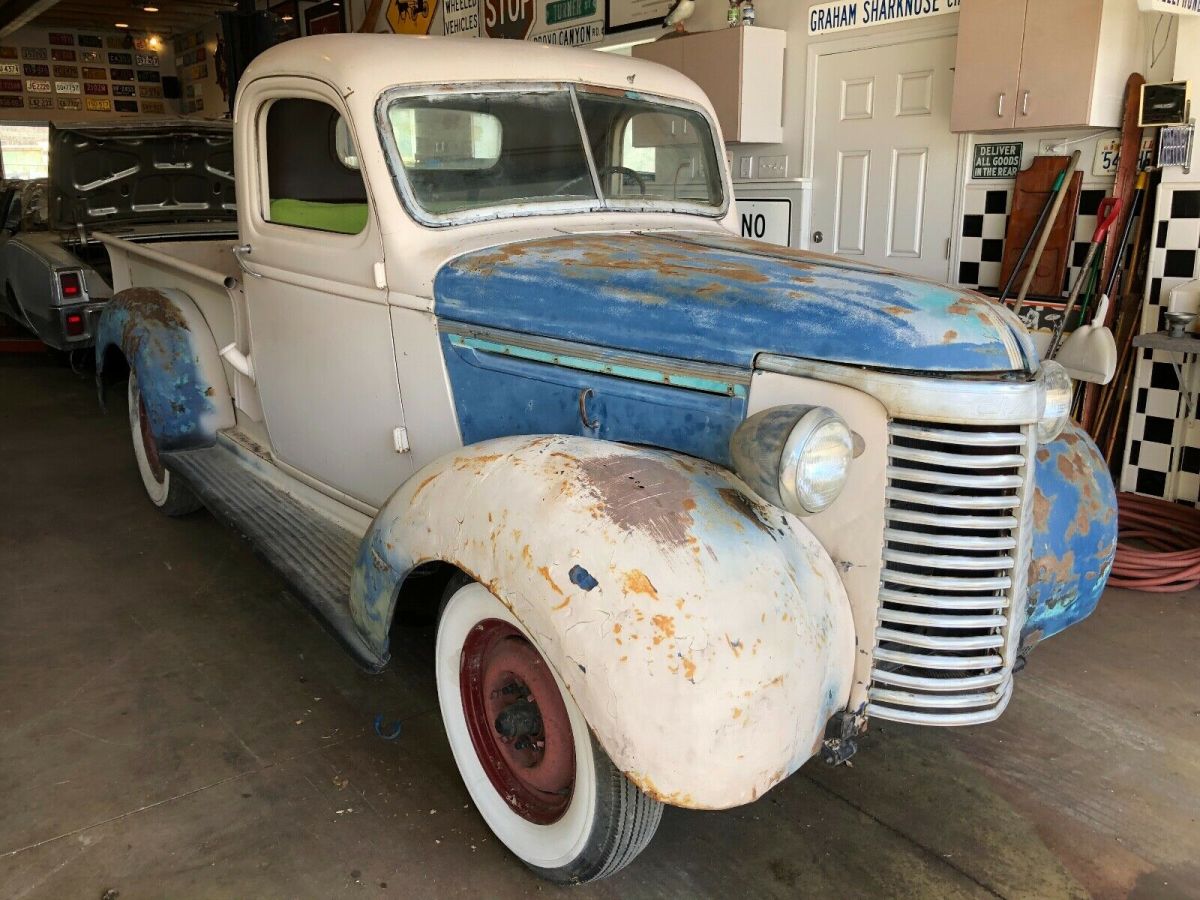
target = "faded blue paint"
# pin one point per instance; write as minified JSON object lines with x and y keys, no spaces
{"x":604,"y":366}
{"x":186,"y":400}
{"x":1074,"y":535}
{"x":498,"y":394}
{"x":581,"y":577}
{"x":714,"y":299}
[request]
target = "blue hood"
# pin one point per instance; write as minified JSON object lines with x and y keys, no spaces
{"x":716,"y":298}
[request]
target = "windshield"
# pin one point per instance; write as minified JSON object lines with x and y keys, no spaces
{"x":471,"y":155}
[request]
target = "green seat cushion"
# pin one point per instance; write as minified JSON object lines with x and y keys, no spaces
{"x":344,"y":218}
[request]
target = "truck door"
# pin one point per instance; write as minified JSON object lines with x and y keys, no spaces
{"x":320,"y":334}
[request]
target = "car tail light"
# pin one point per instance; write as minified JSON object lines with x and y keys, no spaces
{"x":72,"y":287}
{"x":74,"y":325}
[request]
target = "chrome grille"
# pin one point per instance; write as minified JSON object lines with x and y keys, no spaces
{"x":952,"y":570}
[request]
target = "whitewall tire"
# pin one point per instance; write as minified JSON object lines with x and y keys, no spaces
{"x":539,"y":779}
{"x":170,"y":495}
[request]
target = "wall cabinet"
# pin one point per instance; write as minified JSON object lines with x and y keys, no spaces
{"x":1043,"y":63}
{"x":741,"y":71}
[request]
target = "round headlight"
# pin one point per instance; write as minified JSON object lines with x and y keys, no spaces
{"x":1056,"y":391}
{"x":815,"y":461}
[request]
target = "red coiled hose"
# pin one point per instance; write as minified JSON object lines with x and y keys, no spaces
{"x":1172,"y":534}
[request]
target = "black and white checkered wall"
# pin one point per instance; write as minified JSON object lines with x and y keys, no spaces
{"x":1162,"y":457}
{"x":981,"y":244}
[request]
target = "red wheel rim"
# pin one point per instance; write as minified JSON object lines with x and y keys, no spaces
{"x":149,"y":445}
{"x":517,"y":721}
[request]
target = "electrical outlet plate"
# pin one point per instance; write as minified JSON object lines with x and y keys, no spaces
{"x":746,"y":167}
{"x":772,"y":166}
{"x":1052,"y":147}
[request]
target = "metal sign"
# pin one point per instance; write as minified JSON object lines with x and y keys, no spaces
{"x":996,"y":160}
{"x":411,"y":16}
{"x":766,"y":220}
{"x":510,"y":19}
{"x":826,"y":18}
{"x":625,"y":15}
{"x":461,"y":18}
{"x":1170,"y":6}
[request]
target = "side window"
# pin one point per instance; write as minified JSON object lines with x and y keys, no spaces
{"x":313,"y":180}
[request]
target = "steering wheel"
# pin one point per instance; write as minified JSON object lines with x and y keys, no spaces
{"x":608,"y":170}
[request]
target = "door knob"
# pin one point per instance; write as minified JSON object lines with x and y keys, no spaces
{"x":818,"y":237}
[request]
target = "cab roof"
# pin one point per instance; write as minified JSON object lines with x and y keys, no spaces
{"x":372,"y":63}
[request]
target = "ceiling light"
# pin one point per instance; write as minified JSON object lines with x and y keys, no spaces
{"x":286,"y":18}
{"x":120,"y":24}
{"x":149,"y":9}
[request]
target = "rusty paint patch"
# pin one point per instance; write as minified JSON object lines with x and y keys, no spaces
{"x":735,"y":646}
{"x":636,"y":582}
{"x":689,"y":669}
{"x":1041,"y":510}
{"x":949,"y":336}
{"x":747,"y":508}
{"x":665,"y":624}
{"x":641,"y":495}
{"x":475,"y":463}
{"x":424,"y":484}
{"x":647,"y":787}
{"x":544,"y":571}
{"x":146,"y":304}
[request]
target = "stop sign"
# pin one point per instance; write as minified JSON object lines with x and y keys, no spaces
{"x":508,"y":18}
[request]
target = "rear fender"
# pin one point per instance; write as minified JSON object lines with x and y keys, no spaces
{"x":167,"y":342}
{"x":705,"y":635}
{"x":1074,"y":535}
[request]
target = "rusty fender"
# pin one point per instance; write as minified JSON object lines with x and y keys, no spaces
{"x":167,"y":342}
{"x":1074,"y":535}
{"x":705,"y":635}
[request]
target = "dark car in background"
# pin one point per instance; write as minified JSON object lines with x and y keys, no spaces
{"x":161,"y":182}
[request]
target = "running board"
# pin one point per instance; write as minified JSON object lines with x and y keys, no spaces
{"x":314,"y":555}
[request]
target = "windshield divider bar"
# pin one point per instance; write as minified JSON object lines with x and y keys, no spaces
{"x":587,"y":148}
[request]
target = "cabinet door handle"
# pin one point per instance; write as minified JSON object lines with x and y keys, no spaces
{"x":1025,"y":103}
{"x":1000,"y":106}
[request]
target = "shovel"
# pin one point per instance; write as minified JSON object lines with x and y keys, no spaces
{"x":1107,"y":214}
{"x":1090,"y":352}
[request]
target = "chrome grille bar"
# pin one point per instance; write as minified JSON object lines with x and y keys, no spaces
{"x":952,"y":569}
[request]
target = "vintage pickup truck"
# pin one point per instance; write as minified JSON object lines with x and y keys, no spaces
{"x":168,"y":181}
{"x":691,"y":508}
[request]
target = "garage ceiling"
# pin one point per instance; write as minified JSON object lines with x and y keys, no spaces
{"x":173,"y":16}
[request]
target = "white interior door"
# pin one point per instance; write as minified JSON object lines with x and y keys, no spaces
{"x":884,"y":158}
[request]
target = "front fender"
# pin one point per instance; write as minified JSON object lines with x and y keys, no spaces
{"x":167,"y":342}
{"x":705,"y":635}
{"x":1074,"y":535}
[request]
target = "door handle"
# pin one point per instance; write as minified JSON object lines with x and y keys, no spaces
{"x":1000,"y":105}
{"x":589,"y":423}
{"x":240,"y":252}
{"x":1025,"y":103}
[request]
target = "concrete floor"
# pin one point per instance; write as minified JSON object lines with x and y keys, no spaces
{"x":173,"y":724}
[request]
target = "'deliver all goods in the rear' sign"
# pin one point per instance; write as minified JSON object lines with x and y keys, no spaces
{"x":1001,"y":160}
